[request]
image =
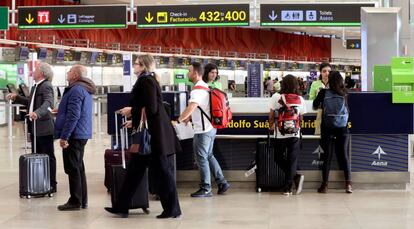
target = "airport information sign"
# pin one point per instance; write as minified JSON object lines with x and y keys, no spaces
{"x":353,"y":44}
{"x":193,"y":15}
{"x":4,"y":18}
{"x":73,"y":17}
{"x":333,"y":14}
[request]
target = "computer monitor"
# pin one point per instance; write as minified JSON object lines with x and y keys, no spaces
{"x":42,"y":53}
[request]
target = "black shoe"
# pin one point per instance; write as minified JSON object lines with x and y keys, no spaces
{"x":202,"y":193}
{"x":117,"y":212}
{"x":298,"y":180}
{"x":222,"y":188}
{"x":166,"y":216}
{"x":84,"y":206}
{"x":69,"y":207}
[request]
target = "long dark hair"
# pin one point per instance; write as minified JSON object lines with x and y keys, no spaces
{"x":289,"y":85}
{"x":322,"y":66}
{"x":336,"y":83}
{"x":207,"y":69}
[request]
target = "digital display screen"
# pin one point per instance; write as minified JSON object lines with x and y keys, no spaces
{"x":42,"y":54}
{"x":93,"y":57}
{"x":179,"y":76}
{"x":22,"y":53}
{"x":60,"y":55}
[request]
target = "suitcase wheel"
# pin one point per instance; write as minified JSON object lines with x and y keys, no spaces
{"x":259,"y":190}
{"x":21,"y":196}
{"x":50,"y":195}
{"x":146,"y":211}
{"x":28,"y":197}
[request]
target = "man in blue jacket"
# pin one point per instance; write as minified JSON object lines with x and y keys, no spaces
{"x":74,"y":128}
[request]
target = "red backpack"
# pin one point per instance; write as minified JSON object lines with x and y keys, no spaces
{"x":288,"y":118}
{"x":220,"y":113}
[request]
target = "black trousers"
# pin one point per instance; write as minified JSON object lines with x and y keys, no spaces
{"x":44,"y":144}
{"x":75,"y":169}
{"x":335,"y":139}
{"x":290,"y":147}
{"x":165,"y":186}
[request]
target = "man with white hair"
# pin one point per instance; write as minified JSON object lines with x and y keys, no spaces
{"x":40,"y":100}
{"x":74,"y":128}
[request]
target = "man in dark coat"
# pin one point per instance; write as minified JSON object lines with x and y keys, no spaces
{"x":74,"y":128}
{"x":38,"y":103}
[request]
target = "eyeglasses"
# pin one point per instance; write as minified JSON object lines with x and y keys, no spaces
{"x":139,"y":63}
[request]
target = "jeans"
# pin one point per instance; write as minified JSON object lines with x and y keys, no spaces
{"x":203,"y":150}
{"x":335,"y":140}
{"x":291,"y":146}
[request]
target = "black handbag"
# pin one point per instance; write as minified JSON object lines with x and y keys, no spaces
{"x":141,"y":138}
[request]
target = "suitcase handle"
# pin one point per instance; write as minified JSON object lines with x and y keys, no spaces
{"x":124,"y":136}
{"x":26,"y":132}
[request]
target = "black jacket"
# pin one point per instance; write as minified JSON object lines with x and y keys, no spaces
{"x":147,"y":93}
{"x":42,"y":101}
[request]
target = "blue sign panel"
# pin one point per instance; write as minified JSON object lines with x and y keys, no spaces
{"x":254,"y":80}
{"x":381,"y":153}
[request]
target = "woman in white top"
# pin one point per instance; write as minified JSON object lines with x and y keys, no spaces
{"x":289,"y":108}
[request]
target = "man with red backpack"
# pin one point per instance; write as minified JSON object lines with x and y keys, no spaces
{"x":289,"y":108}
{"x":205,"y":120}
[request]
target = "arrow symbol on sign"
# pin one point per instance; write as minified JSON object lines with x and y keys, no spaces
{"x":273,"y":16}
{"x":379,"y":152}
{"x":29,"y":19}
{"x":352,"y":45}
{"x":61,"y":19}
{"x":149,"y":18}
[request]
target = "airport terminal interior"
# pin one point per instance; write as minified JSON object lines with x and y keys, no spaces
{"x":256,"y":47}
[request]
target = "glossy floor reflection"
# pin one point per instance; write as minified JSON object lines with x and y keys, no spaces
{"x":240,"y":208}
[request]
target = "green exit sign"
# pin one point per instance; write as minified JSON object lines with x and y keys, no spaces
{"x":4,"y":18}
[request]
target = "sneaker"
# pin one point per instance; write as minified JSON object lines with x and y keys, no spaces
{"x":202,"y":193}
{"x":348,"y":187}
{"x":287,"y":191}
{"x":323,"y":188}
{"x":222,"y":188}
{"x":298,"y":180}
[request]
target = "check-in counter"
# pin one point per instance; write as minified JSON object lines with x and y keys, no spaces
{"x":379,"y":142}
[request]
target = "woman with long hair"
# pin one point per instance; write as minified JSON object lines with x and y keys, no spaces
{"x":288,"y":141}
{"x":334,"y":129}
{"x":146,"y":97}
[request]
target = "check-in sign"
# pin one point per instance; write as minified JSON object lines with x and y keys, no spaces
{"x":312,"y":14}
{"x":193,"y":15}
{"x":73,"y":17}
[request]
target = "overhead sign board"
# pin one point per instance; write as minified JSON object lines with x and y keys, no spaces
{"x":312,"y":14}
{"x":353,"y":44}
{"x":73,"y":17}
{"x":4,"y":18}
{"x":193,"y":15}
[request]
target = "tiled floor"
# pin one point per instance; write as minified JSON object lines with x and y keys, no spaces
{"x":240,"y":208}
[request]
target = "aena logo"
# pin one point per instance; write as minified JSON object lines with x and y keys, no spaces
{"x":318,"y":151}
{"x":379,"y":151}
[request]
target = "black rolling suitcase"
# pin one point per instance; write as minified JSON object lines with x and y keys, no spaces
{"x":269,"y":176}
{"x":140,"y":198}
{"x":34,"y":171}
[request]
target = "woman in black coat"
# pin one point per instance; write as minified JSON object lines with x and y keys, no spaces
{"x":146,"y":93}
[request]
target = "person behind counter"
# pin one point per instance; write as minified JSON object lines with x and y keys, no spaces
{"x":288,"y":142}
{"x":146,"y":97}
{"x":211,"y":76}
{"x":322,"y":82}
{"x":334,"y":138}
